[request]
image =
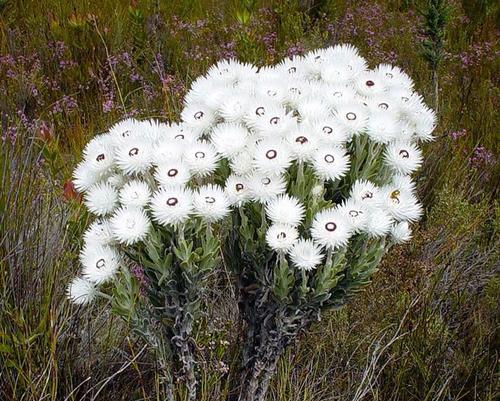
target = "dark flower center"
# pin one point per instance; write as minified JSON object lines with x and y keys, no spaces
{"x":125,"y":133}
{"x":239,"y":187}
{"x":355,"y":213}
{"x":172,"y":201}
{"x":281,"y":235}
{"x":291,"y":70}
{"x":179,"y":136}
{"x":370,"y":83}
{"x":337,"y":94}
{"x":100,"y":263}
{"x":389,"y":75}
{"x":274,"y":120}
{"x":330,"y":226}
{"x":404,"y":154}
{"x":101,"y":157}
{"x":383,"y":106}
{"x":271,"y":154}
{"x":172,"y":172}
{"x":329,"y":158}
{"x":209,"y":199}
{"x":271,"y":93}
{"x":133,"y":152}
{"x":198,"y":115}
{"x":350,"y":116}
{"x":199,"y":155}
{"x":260,"y":111}
{"x":368,"y":195}
{"x":327,"y":129}
{"x":301,"y":139}
{"x":265,"y":181}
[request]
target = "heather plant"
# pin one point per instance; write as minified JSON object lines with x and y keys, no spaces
{"x":298,"y":174}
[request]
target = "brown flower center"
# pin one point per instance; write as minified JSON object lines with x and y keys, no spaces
{"x":292,"y":70}
{"x":179,"y":136}
{"x":301,"y":139}
{"x":329,"y":158}
{"x":404,"y":154}
{"x":133,"y":152}
{"x":100,"y":263}
{"x":265,"y":181}
{"x":330,"y":226}
{"x":200,"y":155}
{"x":274,"y":120}
{"x":370,"y":83}
{"x":350,"y":116}
{"x":327,"y":130}
{"x":281,"y":235}
{"x":271,"y":154}
{"x":172,"y":201}
{"x":172,"y":172}
{"x":383,"y":106}
{"x":198,"y":115}
{"x":239,"y":187}
{"x":100,"y":158}
{"x":260,"y":111}
{"x":209,"y":199}
{"x":368,"y":195}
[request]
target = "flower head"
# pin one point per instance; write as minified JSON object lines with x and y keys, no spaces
{"x":130,"y":225}
{"x":306,"y":255}
{"x":100,"y":263}
{"x":171,"y":205}
{"x":101,"y":199}
{"x":135,"y":193}
{"x":285,"y":209}
{"x":81,"y":291}
{"x":211,"y":203}
{"x":331,"y":163}
{"x":281,"y":237}
{"x":331,"y":229}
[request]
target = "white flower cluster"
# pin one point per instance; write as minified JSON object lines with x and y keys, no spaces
{"x":257,"y":123}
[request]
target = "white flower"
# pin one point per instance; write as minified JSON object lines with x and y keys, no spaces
{"x":302,"y":143}
{"x":130,"y":225}
{"x":331,"y":132}
{"x":229,"y":139}
{"x":331,"y":229}
{"x":135,"y":193}
{"x":124,"y":130}
{"x":269,"y":88}
{"x":336,"y":95}
{"x":201,"y":158}
{"x":425,"y":122}
{"x":383,"y":127}
{"x":98,"y":233}
{"x":305,"y":254}
{"x":404,"y":158}
{"x":81,"y":291}
{"x":100,"y":263}
{"x":242,"y":163}
{"x":379,"y":223}
{"x":84,"y":177}
{"x":99,"y":155}
{"x":276,"y":122}
{"x":168,"y":150}
{"x":261,"y":110}
{"x":179,"y":134}
{"x":237,"y":190}
{"x":394,"y":76}
{"x":403,"y":182}
{"x":134,"y":156}
{"x":311,"y":108}
{"x":370,"y":84}
{"x":233,"y":108}
{"x":353,"y":116}
{"x":281,"y":237}
{"x":116,"y":180}
{"x":272,"y":157}
{"x":171,"y":205}
{"x":101,"y":199}
{"x":364,"y":192}
{"x":356,"y":212}
{"x":172,"y":173}
{"x":198,"y":118}
{"x":331,"y":163}
{"x":401,"y":232}
{"x":285,"y":209}
{"x":211,"y":203}
{"x":263,"y":187}
{"x":400,"y":204}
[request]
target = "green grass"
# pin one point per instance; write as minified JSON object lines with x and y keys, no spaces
{"x":427,"y":329}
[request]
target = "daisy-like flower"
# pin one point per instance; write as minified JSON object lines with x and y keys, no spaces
{"x":401,"y":205}
{"x":356,"y":213}
{"x":365,"y":192}
{"x":237,"y":190}
{"x":296,"y":91}
{"x":211,"y":203}
{"x":130,"y":225}
{"x":98,"y":233}
{"x":352,"y":116}
{"x":233,"y":108}
{"x":100,"y":263}
{"x":331,"y":229}
{"x":271,"y":89}
{"x":101,"y":199}
{"x":84,"y":177}
{"x":201,"y":158}
{"x":394,"y":77}
{"x":370,"y":84}
{"x":292,"y":67}
{"x":134,"y":156}
{"x":403,"y":182}
{"x":378,"y":224}
{"x":303,"y":143}
{"x":281,"y":237}
{"x":331,"y":132}
{"x":331,"y":163}
{"x":263,"y":187}
{"x":229,"y":139}
{"x":306,"y":255}
{"x":81,"y":291}
{"x":260,"y":111}
{"x":178,"y":133}
{"x":272,"y":157}
{"x":338,"y":94}
{"x":383,"y":127}
{"x":124,"y":130}
{"x":242,"y":163}
{"x":99,"y":154}
{"x":168,"y":150}
{"x":401,"y":232}
{"x":172,"y":173}
{"x":135,"y":193}
{"x":171,"y":205}
{"x":404,"y":158}
{"x":310,"y":108}
{"x":285,"y":209}
{"x":276,"y":122}
{"x":198,"y":118}
{"x":425,"y":122}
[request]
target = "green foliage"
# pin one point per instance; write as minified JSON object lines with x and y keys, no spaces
{"x":435,"y":14}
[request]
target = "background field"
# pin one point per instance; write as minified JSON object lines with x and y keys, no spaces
{"x":427,"y":329}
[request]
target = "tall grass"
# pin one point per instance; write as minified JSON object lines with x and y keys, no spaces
{"x":427,"y":329}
